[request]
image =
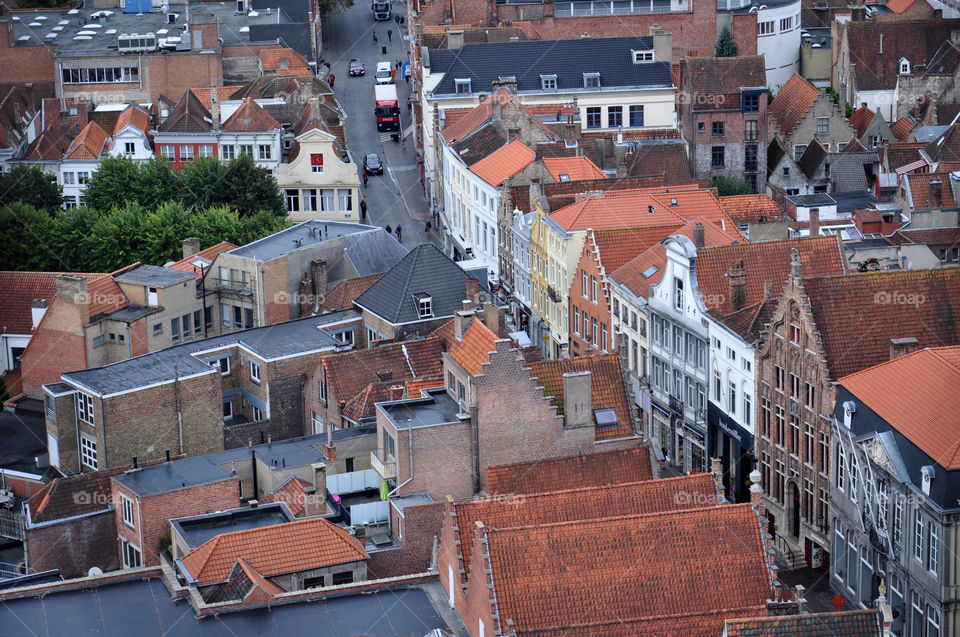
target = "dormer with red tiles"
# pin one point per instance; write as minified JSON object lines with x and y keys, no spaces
{"x":250,"y":130}
{"x":131,"y":135}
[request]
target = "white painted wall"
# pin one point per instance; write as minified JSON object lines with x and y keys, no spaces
{"x":780,"y":48}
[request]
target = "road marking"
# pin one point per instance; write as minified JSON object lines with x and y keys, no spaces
{"x":385,"y":137}
{"x":403,"y":168}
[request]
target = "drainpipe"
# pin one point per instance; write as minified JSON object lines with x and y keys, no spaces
{"x":176,"y":394}
{"x":129,"y":343}
{"x":253,"y":459}
{"x":409,"y":440}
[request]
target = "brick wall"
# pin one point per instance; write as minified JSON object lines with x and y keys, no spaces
{"x":600,"y":310}
{"x":840,"y":130}
{"x":419,"y":526}
{"x":64,"y":429}
{"x":58,"y":345}
{"x":173,"y":74}
{"x":76,"y":546}
{"x":24,"y":63}
{"x":477,"y":605}
{"x":156,"y":512}
{"x":442,"y":462}
{"x":450,"y":556}
{"x":278,"y":296}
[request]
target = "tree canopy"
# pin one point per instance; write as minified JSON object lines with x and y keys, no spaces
{"x":31,"y":186}
{"x":730,"y":185}
{"x":726,"y":47}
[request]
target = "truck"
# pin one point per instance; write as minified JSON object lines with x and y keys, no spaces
{"x":381,"y":9}
{"x":387,"y":107}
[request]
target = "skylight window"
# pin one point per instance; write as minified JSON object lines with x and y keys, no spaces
{"x":649,"y":272}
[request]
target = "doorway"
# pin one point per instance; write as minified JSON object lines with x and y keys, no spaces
{"x":795,"y":510}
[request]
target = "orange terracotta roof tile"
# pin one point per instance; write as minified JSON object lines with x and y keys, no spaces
{"x":474,"y":349}
{"x":17,"y":292}
{"x":792,"y":103}
{"x":350,"y":373}
{"x":860,"y":119}
{"x":206,"y":95}
{"x":504,"y":163}
{"x":283,"y":61}
{"x":417,"y":385}
{"x":200,"y":261}
{"x":134,"y":116}
{"x":628,"y":568}
{"x":917,"y":395}
{"x":607,"y":388}
{"x":581,"y":503}
{"x":250,"y":117}
{"x":274,"y":550}
{"x":854,"y":623}
{"x":899,"y":6}
{"x":291,"y":492}
{"x":88,"y":144}
{"x":466,"y":121}
{"x":932,"y":237}
{"x":575,"y":168}
{"x":703,"y":624}
{"x":257,"y":579}
{"x":614,"y":212}
{"x":857,"y":315}
{"x":105,"y":295}
{"x":452,"y":116}
{"x":572,"y":472}
{"x":342,"y":295}
{"x":919,"y":190}
{"x":58,"y":498}
{"x":767,"y":260}
{"x":750,"y":208}
{"x":901,"y":128}
{"x":617,"y":246}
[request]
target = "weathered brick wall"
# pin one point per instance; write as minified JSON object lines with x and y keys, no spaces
{"x":420,"y":525}
{"x":156,"y":512}
{"x":64,"y":428}
{"x":242,"y":63}
{"x":57,"y":346}
{"x":145,"y":423}
{"x":279,"y":298}
{"x":477,"y":605}
{"x":441,"y":460}
{"x":75,"y":547}
{"x":172,"y":75}
{"x":840,"y":130}
{"x":24,"y":63}
{"x":450,"y":556}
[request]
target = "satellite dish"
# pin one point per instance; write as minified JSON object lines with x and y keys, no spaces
{"x":94,"y":571}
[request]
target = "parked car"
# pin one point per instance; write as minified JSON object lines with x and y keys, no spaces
{"x":355,"y":68}
{"x":372,"y":164}
{"x":383,"y":73}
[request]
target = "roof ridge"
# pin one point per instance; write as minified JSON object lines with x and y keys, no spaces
{"x":593,"y":488}
{"x":733,"y":508}
{"x":653,"y":618}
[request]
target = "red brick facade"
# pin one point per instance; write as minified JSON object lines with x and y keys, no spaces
{"x":591,"y":328}
{"x":75,"y":546}
{"x":417,"y":529}
{"x":24,"y":63}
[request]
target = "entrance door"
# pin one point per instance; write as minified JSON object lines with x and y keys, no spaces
{"x":795,"y":512}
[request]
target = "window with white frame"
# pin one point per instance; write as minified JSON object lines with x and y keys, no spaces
{"x":462,"y":86}
{"x":916,"y":615}
{"x":131,"y":554}
{"x":205,"y":150}
{"x":933,"y":534}
{"x":933,"y":621}
{"x":228,"y":410}
{"x":591,"y":80}
{"x":918,"y":538}
{"x":678,"y":294}
{"x":257,"y":414}
{"x":85,"y":409}
{"x":841,"y":468}
{"x":228,"y":152}
{"x":765,"y":28}
{"x":265,"y":151}
{"x":548,"y":82}
{"x":186,"y":152}
{"x":126,"y":505}
{"x":883,"y":505}
{"x":88,"y":453}
{"x":898,"y":520}
{"x":254,"y":371}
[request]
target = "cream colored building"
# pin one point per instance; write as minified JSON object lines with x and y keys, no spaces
{"x":320,"y":181}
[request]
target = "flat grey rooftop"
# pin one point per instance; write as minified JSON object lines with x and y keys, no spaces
{"x":154,"y":276}
{"x":272,"y":341}
{"x":216,"y":467}
{"x":818,"y":199}
{"x":99,"y":28}
{"x":145,"y":607}
{"x":198,"y":529}
{"x":403,"y":501}
{"x":307,"y":233}
{"x":854,"y":200}
{"x":438,"y":409}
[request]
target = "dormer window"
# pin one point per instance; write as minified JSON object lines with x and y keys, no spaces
{"x":904,"y":66}
{"x":463,"y":86}
{"x":424,"y":305}
{"x":564,"y":177}
{"x":548,"y":82}
{"x":640,"y":57}
{"x":591,"y":80}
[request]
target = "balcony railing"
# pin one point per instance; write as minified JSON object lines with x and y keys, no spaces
{"x":676,"y":405}
{"x":385,"y":466}
{"x":242,"y":287}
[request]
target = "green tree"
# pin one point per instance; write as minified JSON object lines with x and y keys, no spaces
{"x":214,"y":225}
{"x":115,"y":239}
{"x":161,"y":233}
{"x":32,"y":186}
{"x":248,"y":189}
{"x":726,"y":47}
{"x":201,"y":183}
{"x":729,"y":185}
{"x":120,"y":179}
{"x":28,"y":239}
{"x":260,"y":225}
{"x":73,"y":227}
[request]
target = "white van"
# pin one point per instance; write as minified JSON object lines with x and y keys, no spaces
{"x":383,"y":73}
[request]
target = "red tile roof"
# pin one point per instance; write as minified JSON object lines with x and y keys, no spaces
{"x":559,"y":576}
{"x":919,"y":188}
{"x":860,"y":119}
{"x":901,"y":128}
{"x":854,"y":146}
{"x":503,"y":163}
{"x":205,"y":95}
{"x":575,"y":168}
{"x":59,"y":499}
{"x":854,"y":623}
{"x":857,"y":315}
{"x":134,"y":116}
{"x":917,"y":395}
{"x":292,"y":493}
{"x":250,"y":117}
{"x":572,"y":472}
{"x":902,"y":153}
{"x":581,"y":503}
{"x":750,"y":208}
{"x":283,"y":62}
{"x":792,"y":103}
{"x":899,"y":6}
{"x":928,"y":236}
{"x":607,"y":388}
{"x":342,"y":295}
{"x":467,"y":121}
{"x":617,"y":246}
{"x":767,"y":260}
{"x":668,"y":160}
{"x":88,"y":144}
{"x":105,"y":295}
{"x":203,"y":258}
{"x":349,"y":373}
{"x":274,"y":550}
{"x":474,"y":349}
{"x":615,"y":212}
{"x":17,"y":292}
{"x":256,"y":578}
{"x":720,"y":79}
{"x":917,"y":40}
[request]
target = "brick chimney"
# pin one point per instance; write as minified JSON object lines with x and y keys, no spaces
{"x":455,"y":38}
{"x":492,"y":317}
{"x":460,"y":321}
{"x":814,"y":222}
{"x":73,"y":288}
{"x":496,"y":107}
{"x":385,"y":375}
{"x":662,"y":44}
{"x":578,"y":399}
{"x":318,"y":273}
{"x":936,"y":194}
{"x":191,"y":246}
{"x":738,"y":287}
{"x":903,"y":346}
{"x":306,"y":294}
{"x":397,"y":391}
{"x":716,"y":468}
{"x":698,"y":235}
{"x":472,"y":289}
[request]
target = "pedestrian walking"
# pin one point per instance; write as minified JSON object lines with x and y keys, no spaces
{"x":363,"y":210}
{"x":389,"y":229}
{"x":396,"y":19}
{"x":399,"y":233}
{"x":331,"y":79}
{"x":365,"y":177}
{"x":389,"y":35}
{"x":393,"y":75}
{"x":403,"y":143}
{"x":374,"y":37}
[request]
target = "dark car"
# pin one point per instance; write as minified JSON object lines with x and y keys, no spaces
{"x":372,"y":164}
{"x":356,"y":67}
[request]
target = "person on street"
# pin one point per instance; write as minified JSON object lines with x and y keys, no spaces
{"x":393,"y":75}
{"x":399,"y":233}
{"x":363,"y":210}
{"x":374,"y":37}
{"x":403,"y":143}
{"x":389,"y":229}
{"x":331,"y":79}
{"x":396,"y":18}
{"x":389,"y":35}
{"x":365,"y":177}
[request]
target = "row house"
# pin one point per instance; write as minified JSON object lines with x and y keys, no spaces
{"x":621,"y":85}
{"x":801,"y":112}
{"x":251,"y":131}
{"x":895,"y":489}
{"x":187,"y":134}
{"x":25,"y":299}
{"x":871,"y":128}
{"x":193,"y":398}
{"x":723,"y":117}
{"x":80,"y":162}
{"x":929,"y":200}
{"x":823,"y":329}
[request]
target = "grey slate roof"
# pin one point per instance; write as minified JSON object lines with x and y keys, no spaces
{"x":296,"y":36}
{"x":154,"y":276}
{"x":847,"y":170}
{"x":162,"y":366}
{"x":425,"y":270}
{"x":567,"y":59}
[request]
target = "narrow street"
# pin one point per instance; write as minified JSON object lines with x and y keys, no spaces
{"x":396,"y":197}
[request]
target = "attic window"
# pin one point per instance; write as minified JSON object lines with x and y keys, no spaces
{"x":649,"y":272}
{"x":904,"y":66}
{"x":642,"y":56}
{"x":605,"y":417}
{"x":564,"y":177}
{"x":424,"y":305}
{"x":548,"y":82}
{"x":73,"y":111}
{"x":463,"y":86}
{"x":283,"y":63}
{"x":591,"y":80}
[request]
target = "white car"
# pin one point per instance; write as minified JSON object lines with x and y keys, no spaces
{"x":383,"y":73}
